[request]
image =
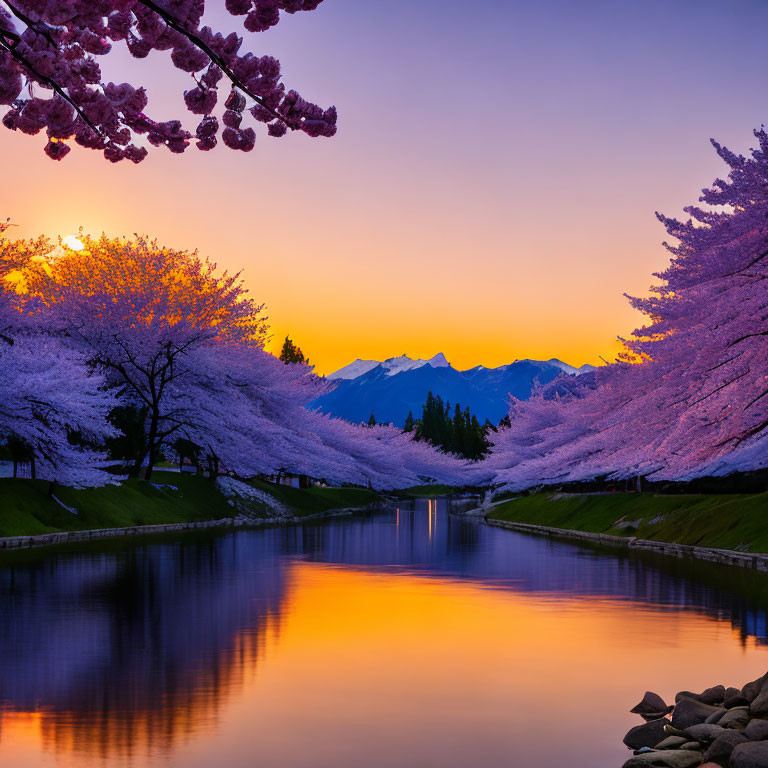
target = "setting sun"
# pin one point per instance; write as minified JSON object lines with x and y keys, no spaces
{"x":72,"y":242}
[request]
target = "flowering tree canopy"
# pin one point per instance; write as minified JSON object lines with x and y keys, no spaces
{"x":690,"y":395}
{"x":251,"y":413}
{"x":53,"y":45}
{"x":140,"y":313}
{"x":51,"y":403}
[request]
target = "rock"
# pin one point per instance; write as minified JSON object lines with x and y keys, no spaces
{"x":757,"y":730}
{"x":652,"y":706}
{"x":714,"y":695}
{"x":751,"y":690}
{"x":672,"y":742}
{"x":752,"y":754}
{"x":667,"y":758}
{"x":715,"y":716}
{"x":646,"y":735}
{"x":720,"y":750}
{"x":704,"y":732}
{"x":759,"y":705}
{"x":711,"y":696}
{"x":734,"y":698}
{"x":734,"y":718}
{"x":690,"y":712}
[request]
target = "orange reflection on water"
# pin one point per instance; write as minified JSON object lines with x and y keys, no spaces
{"x":140,"y":731}
{"x":386,"y":670}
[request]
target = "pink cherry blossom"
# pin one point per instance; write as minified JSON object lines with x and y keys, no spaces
{"x":52,"y":46}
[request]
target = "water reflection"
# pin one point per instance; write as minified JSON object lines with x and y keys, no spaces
{"x":397,"y":629}
{"x":410,"y":540}
{"x":139,"y":645}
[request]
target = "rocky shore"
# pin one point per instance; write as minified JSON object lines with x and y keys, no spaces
{"x":717,"y":728}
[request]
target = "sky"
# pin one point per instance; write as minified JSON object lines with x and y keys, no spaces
{"x":490,"y":193}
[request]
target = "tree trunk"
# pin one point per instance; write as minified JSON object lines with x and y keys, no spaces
{"x":33,"y":468}
{"x":150,"y":465}
{"x":136,"y":472}
{"x":152,"y":440}
{"x":213,"y":466}
{"x":15,"y":468}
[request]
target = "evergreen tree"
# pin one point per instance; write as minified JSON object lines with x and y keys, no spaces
{"x":290,"y":353}
{"x":456,"y":431}
{"x":371,"y":420}
{"x":505,"y":421}
{"x":458,"y":444}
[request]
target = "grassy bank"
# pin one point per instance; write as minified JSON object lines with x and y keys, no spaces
{"x":725,"y":521}
{"x":27,"y":510}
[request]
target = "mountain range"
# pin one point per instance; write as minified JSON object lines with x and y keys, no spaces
{"x":391,"y":388}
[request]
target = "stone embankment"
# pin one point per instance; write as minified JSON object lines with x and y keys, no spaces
{"x":92,"y":534}
{"x":723,"y":556}
{"x":718,"y":728}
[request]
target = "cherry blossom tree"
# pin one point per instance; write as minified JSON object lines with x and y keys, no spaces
{"x":690,"y":394}
{"x":50,"y":401}
{"x":140,"y":313}
{"x":54,"y":46}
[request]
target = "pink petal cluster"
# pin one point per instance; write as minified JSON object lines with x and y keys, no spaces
{"x":53,"y":45}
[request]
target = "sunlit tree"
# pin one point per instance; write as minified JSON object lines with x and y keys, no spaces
{"x":141,"y":313}
{"x":53,"y":406}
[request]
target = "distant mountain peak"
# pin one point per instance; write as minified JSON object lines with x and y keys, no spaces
{"x":391,"y":366}
{"x":438,"y":361}
{"x":353,"y":370}
{"x":564,"y":367}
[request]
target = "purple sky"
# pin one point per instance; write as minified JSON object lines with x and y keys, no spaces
{"x":490,"y":193}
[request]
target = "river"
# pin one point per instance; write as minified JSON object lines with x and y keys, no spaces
{"x":407,"y":638}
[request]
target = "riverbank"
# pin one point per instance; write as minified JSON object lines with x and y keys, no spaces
{"x":672,"y":524}
{"x":172,"y":501}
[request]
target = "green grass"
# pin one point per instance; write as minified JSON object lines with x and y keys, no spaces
{"x":310,"y":501}
{"x":734,"y":521}
{"x":26,"y":509}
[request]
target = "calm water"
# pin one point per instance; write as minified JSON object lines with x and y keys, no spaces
{"x":407,"y":639}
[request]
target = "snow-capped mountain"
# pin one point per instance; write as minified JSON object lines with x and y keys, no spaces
{"x":392,"y":366}
{"x":391,"y":388}
{"x":569,"y":369}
